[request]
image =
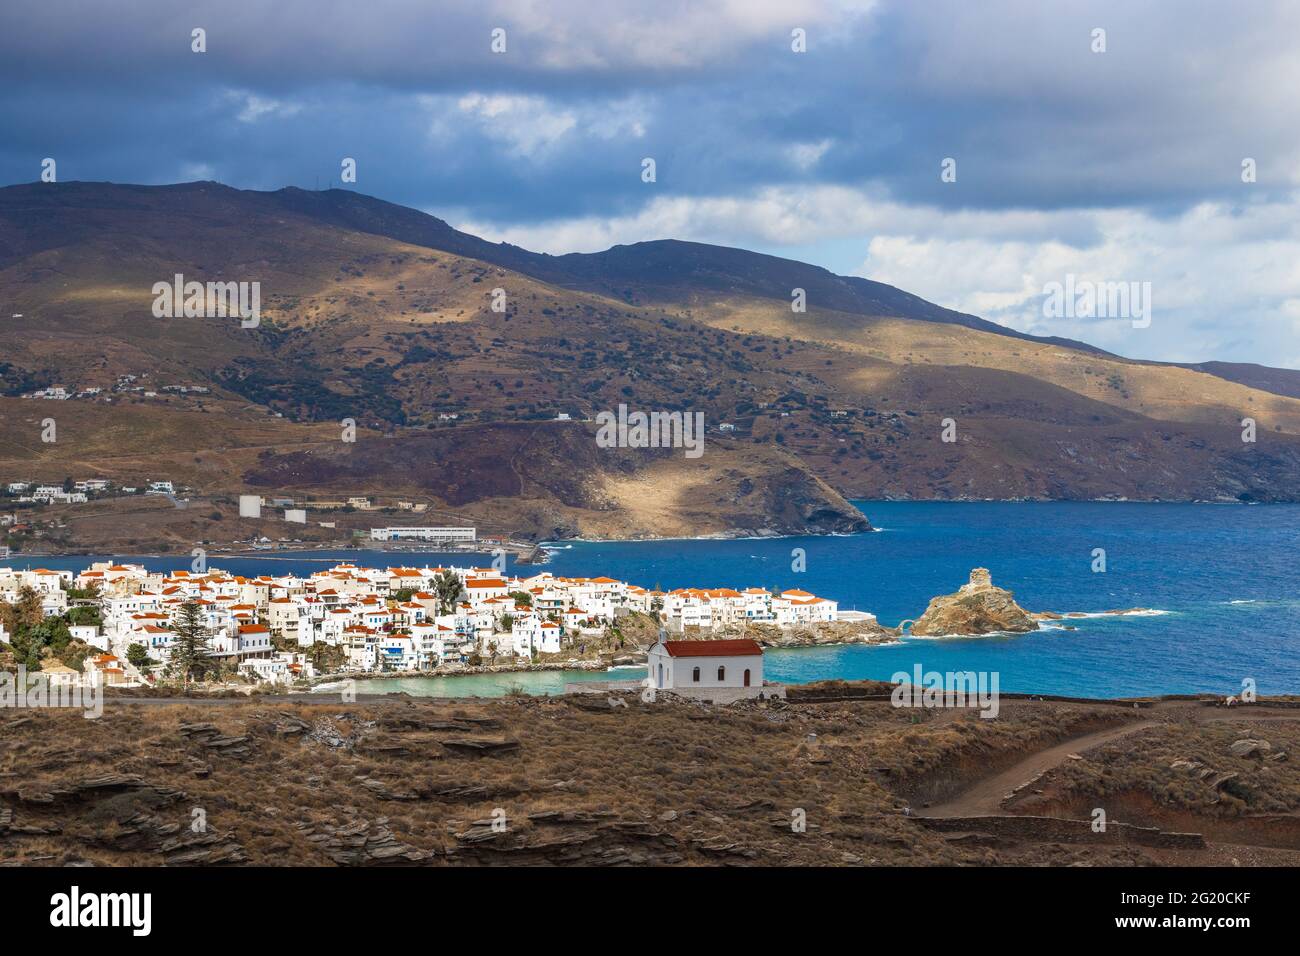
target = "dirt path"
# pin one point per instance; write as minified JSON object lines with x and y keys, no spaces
{"x":985,"y":797}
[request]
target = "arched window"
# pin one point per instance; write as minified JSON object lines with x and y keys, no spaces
{"x":722,"y":674}
{"x":695,"y":675}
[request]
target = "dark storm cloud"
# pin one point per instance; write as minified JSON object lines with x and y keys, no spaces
{"x":286,"y":89}
{"x":1122,"y":164}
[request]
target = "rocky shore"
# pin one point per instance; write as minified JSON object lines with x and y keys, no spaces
{"x":807,"y":635}
{"x":506,"y":667}
{"x":979,"y":607}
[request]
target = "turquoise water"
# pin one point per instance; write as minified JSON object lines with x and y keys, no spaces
{"x":1227,"y":575}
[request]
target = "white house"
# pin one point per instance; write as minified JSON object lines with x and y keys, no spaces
{"x":482,"y":590}
{"x":707,"y":667}
{"x":90,"y":634}
{"x":530,"y":633}
{"x":279,"y":669}
{"x":397,"y":652}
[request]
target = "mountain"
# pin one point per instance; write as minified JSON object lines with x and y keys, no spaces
{"x":1279,"y":381}
{"x":666,"y":270}
{"x":383,"y":315}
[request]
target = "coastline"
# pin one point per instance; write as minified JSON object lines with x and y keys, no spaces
{"x":540,"y":550}
{"x":470,"y":670}
{"x":932,"y":547}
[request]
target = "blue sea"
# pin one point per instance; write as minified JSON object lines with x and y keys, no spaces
{"x":1226,"y":576}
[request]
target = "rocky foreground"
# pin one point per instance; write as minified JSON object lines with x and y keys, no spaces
{"x":828,"y":778}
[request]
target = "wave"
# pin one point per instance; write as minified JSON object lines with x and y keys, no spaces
{"x":1135,"y":612}
{"x":964,"y":637}
{"x":1057,"y":624}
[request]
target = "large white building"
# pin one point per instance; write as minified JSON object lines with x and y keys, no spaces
{"x":701,"y":667}
{"x":452,"y":535}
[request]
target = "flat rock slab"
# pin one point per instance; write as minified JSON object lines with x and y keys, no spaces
{"x":479,"y":746}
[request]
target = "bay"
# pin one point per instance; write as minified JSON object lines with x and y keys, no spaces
{"x":1225,"y":577}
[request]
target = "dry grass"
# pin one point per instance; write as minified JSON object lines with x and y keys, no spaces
{"x":1144,"y":764}
{"x":677,"y":782}
{"x":1161,"y":392}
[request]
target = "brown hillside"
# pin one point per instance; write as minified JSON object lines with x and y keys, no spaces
{"x":400,"y":337}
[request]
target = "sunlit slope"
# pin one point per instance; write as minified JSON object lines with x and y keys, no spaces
{"x":1165,"y":392}
{"x":364,"y":319}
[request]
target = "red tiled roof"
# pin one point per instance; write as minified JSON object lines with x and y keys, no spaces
{"x":738,"y":647}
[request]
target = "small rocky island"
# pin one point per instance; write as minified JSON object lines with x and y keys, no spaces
{"x":977,"y":608}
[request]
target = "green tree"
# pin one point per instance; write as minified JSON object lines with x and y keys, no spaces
{"x":84,"y":615}
{"x":30,"y":641}
{"x":24,"y":613}
{"x":522,"y":597}
{"x":449,"y":590}
{"x":75,"y":655}
{"x":190,"y":659}
{"x":90,"y":593}
{"x":53,"y":633}
{"x":138,"y":657}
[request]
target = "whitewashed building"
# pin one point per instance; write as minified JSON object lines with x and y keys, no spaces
{"x":703,"y":667}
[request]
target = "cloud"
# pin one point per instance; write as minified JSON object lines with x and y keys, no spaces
{"x":807,"y":155}
{"x":525,"y":123}
{"x":1221,"y":278}
{"x":531,"y":125}
{"x":409,"y":42}
{"x":1123,"y":160}
{"x":253,"y":107}
{"x":1225,"y":278}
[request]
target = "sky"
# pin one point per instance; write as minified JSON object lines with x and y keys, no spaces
{"x":1163,"y":149}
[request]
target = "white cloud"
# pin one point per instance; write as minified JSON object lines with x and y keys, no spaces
{"x":197,"y":172}
{"x":1225,"y":279}
{"x":253,"y":107}
{"x":806,"y":155}
{"x":526,"y":123}
{"x":1221,"y":279}
{"x":531,"y":126}
{"x":569,"y":35}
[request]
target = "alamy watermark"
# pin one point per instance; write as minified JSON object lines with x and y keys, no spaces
{"x":74,"y":909}
{"x":933,"y":689}
{"x":38,"y":692}
{"x":622,"y":429}
{"x":211,"y":300}
{"x":1084,"y":299}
